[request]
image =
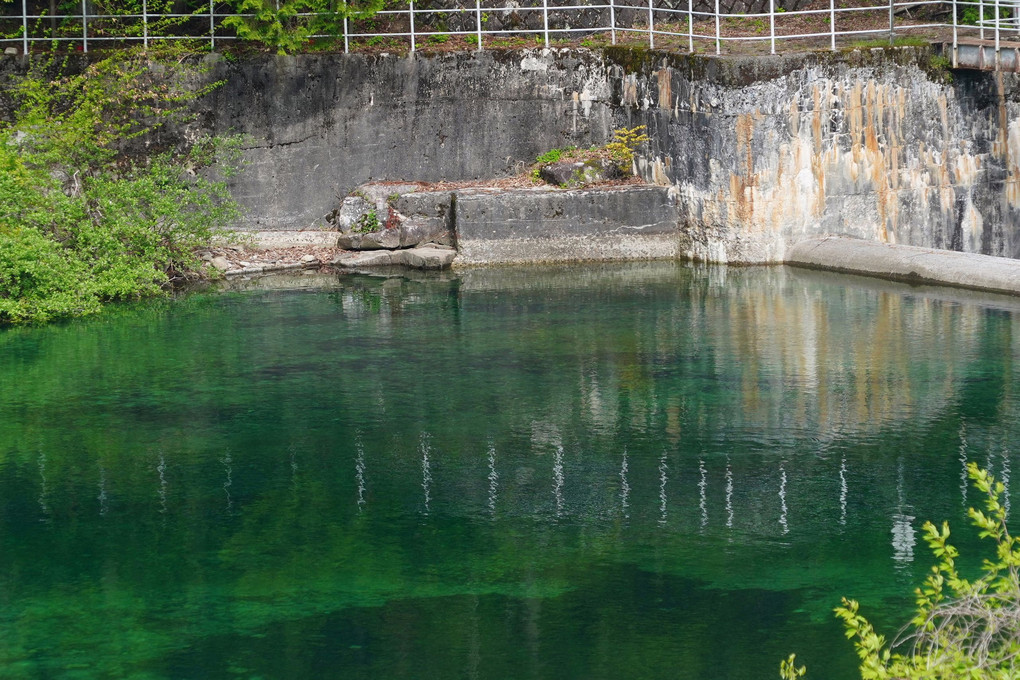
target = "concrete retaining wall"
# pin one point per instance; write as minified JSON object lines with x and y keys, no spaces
{"x":761,"y":152}
{"x":319,"y":126}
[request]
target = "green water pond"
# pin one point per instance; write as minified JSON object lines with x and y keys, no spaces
{"x":624,"y":471}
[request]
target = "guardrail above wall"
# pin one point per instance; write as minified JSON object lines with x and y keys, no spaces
{"x":684,"y":25}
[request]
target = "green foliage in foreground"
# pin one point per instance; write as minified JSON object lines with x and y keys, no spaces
{"x":82,"y":220}
{"x":963,"y":630}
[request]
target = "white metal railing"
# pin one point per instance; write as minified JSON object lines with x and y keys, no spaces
{"x":620,"y":20}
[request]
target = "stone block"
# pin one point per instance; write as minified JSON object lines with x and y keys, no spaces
{"x":427,"y":258}
{"x":552,"y":225}
{"x":374,"y":258}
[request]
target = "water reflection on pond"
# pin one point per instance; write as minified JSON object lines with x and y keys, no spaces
{"x":622,"y":471}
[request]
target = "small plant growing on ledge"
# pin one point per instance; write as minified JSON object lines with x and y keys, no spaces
{"x":625,"y":142}
{"x":367,"y":223}
{"x":612,"y":161}
{"x":554,"y":155}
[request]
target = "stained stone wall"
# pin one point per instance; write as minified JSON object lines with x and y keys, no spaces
{"x":885,"y":146}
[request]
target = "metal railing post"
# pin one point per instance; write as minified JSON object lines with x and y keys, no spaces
{"x":996,"y":35}
{"x":24,"y":26}
{"x":892,"y":22}
{"x":718,"y":48}
{"x":212,"y":26}
{"x":772,"y":26}
{"x":545,"y":21}
{"x":411,"y":14}
{"x":612,"y":20}
{"x":832,"y":25}
{"x":347,"y":39}
{"x":651,"y":26}
{"x":981,"y":19}
{"x":690,"y":25}
{"x":955,"y":36}
{"x":145,"y":24}
{"x":84,"y":27}
{"x":478,"y":23}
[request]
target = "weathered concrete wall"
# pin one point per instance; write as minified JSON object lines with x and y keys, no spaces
{"x":761,"y":152}
{"x":321,"y":125}
{"x":875,"y":145}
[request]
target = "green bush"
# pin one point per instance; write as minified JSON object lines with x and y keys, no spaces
{"x":83,"y":220}
{"x":962,"y":629}
{"x":288,"y":25}
{"x":971,"y":14}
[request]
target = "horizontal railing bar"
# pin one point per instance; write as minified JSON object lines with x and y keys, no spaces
{"x":644,"y":21}
{"x":667,"y":10}
{"x":747,"y":15}
{"x":502,"y":10}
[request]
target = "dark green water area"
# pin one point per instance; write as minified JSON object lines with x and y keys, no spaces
{"x":623,"y":472}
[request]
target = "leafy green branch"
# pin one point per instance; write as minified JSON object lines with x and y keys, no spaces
{"x":962,"y":629}
{"x":288,"y":25}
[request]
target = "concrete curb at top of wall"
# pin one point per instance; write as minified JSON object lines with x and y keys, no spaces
{"x":908,"y":263}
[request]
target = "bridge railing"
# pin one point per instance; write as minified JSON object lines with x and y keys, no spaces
{"x":684,"y":25}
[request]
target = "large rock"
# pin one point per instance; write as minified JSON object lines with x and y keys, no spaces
{"x":388,"y":216}
{"x":382,"y":239}
{"x":431,"y":257}
{"x":427,"y":258}
{"x":350,"y":212}
{"x":379,"y":258}
{"x":426,"y":216}
{"x":575,"y":174}
{"x":362,"y":221}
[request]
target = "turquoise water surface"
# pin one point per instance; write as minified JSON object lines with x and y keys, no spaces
{"x":624,"y":472}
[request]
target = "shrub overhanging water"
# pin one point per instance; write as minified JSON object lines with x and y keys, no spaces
{"x":83,"y":220}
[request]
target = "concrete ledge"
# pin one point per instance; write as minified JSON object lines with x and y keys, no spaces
{"x":271,"y":240}
{"x":552,"y":225}
{"x":592,"y":248}
{"x":909,"y":264}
